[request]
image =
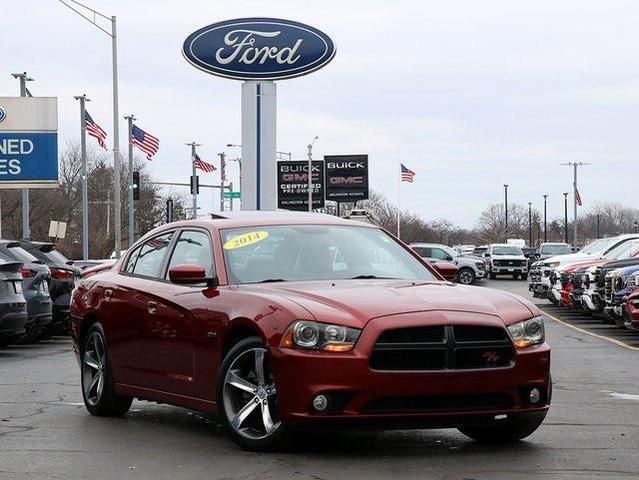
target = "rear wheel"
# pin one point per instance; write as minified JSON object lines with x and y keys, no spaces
{"x":98,"y":387}
{"x":466,"y":276}
{"x":247,"y":397}
{"x":511,"y":430}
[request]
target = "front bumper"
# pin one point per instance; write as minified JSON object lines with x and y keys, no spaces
{"x":362,"y":396}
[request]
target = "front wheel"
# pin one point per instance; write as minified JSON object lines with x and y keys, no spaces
{"x":98,"y":387}
{"x":466,"y":276}
{"x":247,"y":397}
{"x":512,"y":430}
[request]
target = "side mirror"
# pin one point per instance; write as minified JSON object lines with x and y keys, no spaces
{"x":486,"y":254}
{"x":449,"y":258}
{"x":190,"y":274}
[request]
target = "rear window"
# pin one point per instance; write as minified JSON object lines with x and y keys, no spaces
{"x":22,"y":255}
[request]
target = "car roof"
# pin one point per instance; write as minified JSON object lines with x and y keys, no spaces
{"x":420,"y":244}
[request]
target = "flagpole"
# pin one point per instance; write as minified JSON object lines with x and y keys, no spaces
{"x":85,"y":193}
{"x":399,"y":183}
{"x":130,"y":119}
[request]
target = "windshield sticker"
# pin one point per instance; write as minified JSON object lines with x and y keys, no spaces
{"x":245,"y":240}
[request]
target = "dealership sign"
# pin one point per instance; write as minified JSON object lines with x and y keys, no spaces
{"x":292,"y":185}
{"x":346,"y":177}
{"x":258,"y":49}
{"x":28,"y":142}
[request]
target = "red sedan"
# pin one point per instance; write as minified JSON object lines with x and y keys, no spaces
{"x":278,"y":321}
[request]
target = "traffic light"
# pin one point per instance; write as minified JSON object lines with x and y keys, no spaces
{"x":136,"y":186}
{"x":195,"y":191}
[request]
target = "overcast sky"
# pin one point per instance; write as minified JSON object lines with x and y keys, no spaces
{"x":469,"y":94}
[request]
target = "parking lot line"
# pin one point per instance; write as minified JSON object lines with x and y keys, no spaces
{"x":596,"y":335}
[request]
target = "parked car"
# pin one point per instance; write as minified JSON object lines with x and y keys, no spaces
{"x":632,"y":310}
{"x":103,"y":267}
{"x":464,"y":250}
{"x":505,"y":259}
{"x":620,"y":284}
{"x":13,"y":306}
{"x":35,"y":278}
{"x":480,"y":251}
{"x":448,"y":270}
{"x":469,"y":269}
{"x":63,"y":277}
{"x":283,"y":320}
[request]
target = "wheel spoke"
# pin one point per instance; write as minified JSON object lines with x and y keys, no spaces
{"x":90,"y":360}
{"x":94,"y":382}
{"x":269,"y":426}
{"x":259,"y":366}
{"x":98,"y":392}
{"x":246,"y":410}
{"x":234,"y":379}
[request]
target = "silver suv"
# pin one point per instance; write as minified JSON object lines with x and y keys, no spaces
{"x":469,"y":269}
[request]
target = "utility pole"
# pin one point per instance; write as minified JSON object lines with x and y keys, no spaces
{"x":506,"y":209}
{"x":545,"y":218}
{"x":598,"y":225}
{"x":222,"y":178}
{"x":566,"y":217}
{"x":193,"y":145}
{"x":310,"y":174}
{"x":26,"y":233}
{"x":85,"y":190}
{"x":130,"y":119}
{"x":530,"y":224}
{"x":575,"y":195}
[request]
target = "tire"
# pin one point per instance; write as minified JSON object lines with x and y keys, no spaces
{"x":466,"y":276}
{"x":492,"y":276}
{"x":247,"y":399}
{"x":513,"y":430}
{"x":96,"y":377}
{"x":515,"y":276}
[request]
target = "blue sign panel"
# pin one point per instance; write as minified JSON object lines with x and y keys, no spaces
{"x":28,"y":157}
{"x":258,"y":49}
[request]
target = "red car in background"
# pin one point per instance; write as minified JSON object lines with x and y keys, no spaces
{"x":632,"y":311}
{"x":280,"y":320}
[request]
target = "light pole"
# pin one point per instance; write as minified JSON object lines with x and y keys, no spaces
{"x":506,"y":209}
{"x":530,"y":224}
{"x":566,"y":217}
{"x":85,"y":190}
{"x":575,"y":195}
{"x":193,"y":145}
{"x":310,"y":173}
{"x":222,"y":178}
{"x":545,"y":218}
{"x":26,"y":233}
{"x":130,"y":119}
{"x":117,"y":206}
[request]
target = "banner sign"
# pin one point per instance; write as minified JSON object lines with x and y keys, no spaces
{"x":292,"y":185}
{"x":28,"y":142}
{"x":346,"y":177}
{"x":258,"y":49}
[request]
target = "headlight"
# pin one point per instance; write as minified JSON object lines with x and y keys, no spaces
{"x":527,"y":333}
{"x":320,"y":336}
{"x":552,"y":264}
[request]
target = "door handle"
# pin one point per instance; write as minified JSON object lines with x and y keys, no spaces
{"x":107,"y":293}
{"x":152,"y":307}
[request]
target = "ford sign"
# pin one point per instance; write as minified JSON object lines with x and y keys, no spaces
{"x":258,"y":49}
{"x":3,"y":114}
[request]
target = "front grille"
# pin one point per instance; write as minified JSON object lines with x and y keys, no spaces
{"x":439,"y":347}
{"x":576,"y":280}
{"x":600,"y":280}
{"x":564,"y":279}
{"x":510,"y":263}
{"x":608,"y":288}
{"x":439,"y":403}
{"x":535,"y":275}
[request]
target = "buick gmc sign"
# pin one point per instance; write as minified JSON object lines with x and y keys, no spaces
{"x":346,"y":177}
{"x":258,"y":49}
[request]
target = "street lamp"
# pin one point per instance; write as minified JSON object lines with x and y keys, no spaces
{"x":545,"y":218}
{"x":310,"y":173}
{"x":116,"y":121}
{"x":566,"y":217}
{"x":506,"y":208}
{"x":530,"y":224}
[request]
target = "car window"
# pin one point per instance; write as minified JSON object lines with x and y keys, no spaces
{"x":130,"y":262}
{"x":422,"y":251}
{"x":506,"y":250}
{"x":193,"y":248}
{"x":439,"y":254}
{"x":22,"y":255}
{"x":151,"y":256}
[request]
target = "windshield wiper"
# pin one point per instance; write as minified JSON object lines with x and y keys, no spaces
{"x":271,"y":280}
{"x":370,"y":277}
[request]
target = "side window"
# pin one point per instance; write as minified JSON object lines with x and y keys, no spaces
{"x":439,"y":254}
{"x":152,"y":253}
{"x":130,"y":263}
{"x":421,"y":251}
{"x":193,"y":248}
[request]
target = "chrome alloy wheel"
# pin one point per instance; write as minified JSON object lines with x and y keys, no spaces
{"x":250,"y":396}
{"x":466,"y":277}
{"x":93,"y":369}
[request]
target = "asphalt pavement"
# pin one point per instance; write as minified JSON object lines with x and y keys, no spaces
{"x":592,"y":430}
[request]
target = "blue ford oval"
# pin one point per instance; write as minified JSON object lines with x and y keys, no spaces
{"x":258,"y":49}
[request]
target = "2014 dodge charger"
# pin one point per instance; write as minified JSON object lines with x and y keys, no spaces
{"x":279,"y":321}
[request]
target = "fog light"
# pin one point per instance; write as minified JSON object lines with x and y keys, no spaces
{"x":535,"y":395}
{"x":320,"y":403}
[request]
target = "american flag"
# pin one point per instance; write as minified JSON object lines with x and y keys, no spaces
{"x":578,"y":198}
{"x":407,"y":174}
{"x":199,"y":163}
{"x":145,"y":141}
{"x":95,"y":130}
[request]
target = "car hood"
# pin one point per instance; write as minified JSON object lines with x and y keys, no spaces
{"x":354,"y":302}
{"x":570,"y":258}
{"x":508,"y":257}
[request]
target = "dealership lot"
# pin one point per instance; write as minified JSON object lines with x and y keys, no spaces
{"x":592,"y":430}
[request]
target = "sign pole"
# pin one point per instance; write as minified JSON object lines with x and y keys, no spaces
{"x":85,"y":191}
{"x":24,"y":78}
{"x":222,"y":179}
{"x":131,"y":119}
{"x":193,"y":145}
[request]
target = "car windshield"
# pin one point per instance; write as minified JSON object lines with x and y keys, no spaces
{"x":623,"y":251}
{"x":556,"y":249}
{"x":22,"y":255}
{"x":507,"y":250}
{"x":295,"y":253}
